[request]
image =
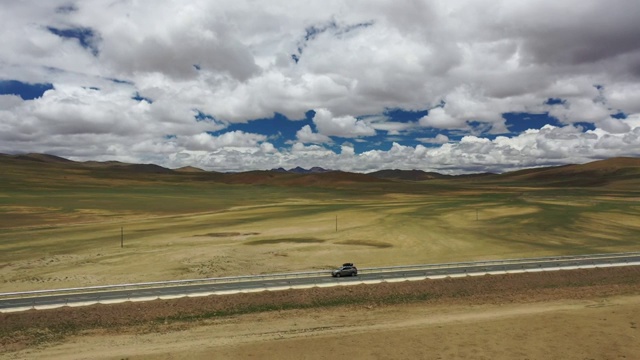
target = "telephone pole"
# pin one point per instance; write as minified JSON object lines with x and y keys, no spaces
{"x":121,"y":237}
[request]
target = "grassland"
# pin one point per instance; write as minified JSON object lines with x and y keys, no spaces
{"x":62,"y":224}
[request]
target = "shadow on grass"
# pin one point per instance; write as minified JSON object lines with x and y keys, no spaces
{"x":226,"y":234}
{"x":376,"y":244}
{"x":285,"y":240}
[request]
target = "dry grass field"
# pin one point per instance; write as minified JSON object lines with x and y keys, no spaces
{"x":577,"y":314}
{"x":61,"y":225}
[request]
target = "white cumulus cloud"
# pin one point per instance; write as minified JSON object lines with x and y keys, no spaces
{"x":204,"y":67}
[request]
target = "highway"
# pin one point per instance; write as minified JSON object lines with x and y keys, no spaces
{"x":18,"y":301}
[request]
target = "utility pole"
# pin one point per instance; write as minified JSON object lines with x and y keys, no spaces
{"x":336,"y":223}
{"x":121,"y":237}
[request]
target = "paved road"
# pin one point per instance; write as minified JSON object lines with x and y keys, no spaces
{"x":319,"y":279}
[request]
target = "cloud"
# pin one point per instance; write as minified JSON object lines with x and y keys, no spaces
{"x":550,"y":145}
{"x":438,"y":139}
{"x":604,"y":39}
{"x":86,"y":122}
{"x":391,"y":127}
{"x":467,"y":62}
{"x":614,"y":126}
{"x":236,"y":140}
{"x":306,"y":135}
{"x":346,"y":150}
{"x":342,"y":126}
{"x":439,"y":119}
{"x":580,"y":110}
{"x":624,"y":97}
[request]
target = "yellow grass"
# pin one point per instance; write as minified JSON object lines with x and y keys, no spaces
{"x":294,"y":233}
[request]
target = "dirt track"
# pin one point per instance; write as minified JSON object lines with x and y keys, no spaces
{"x":552,"y":315}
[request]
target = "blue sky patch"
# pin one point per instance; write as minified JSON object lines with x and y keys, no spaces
{"x":554,"y":101}
{"x":313,"y":31}
{"x":66,"y":9}
{"x":85,"y":36}
{"x":404,"y":116}
{"x":25,"y":90}
{"x":201,"y":116}
{"x":119,"y":81}
{"x":520,"y":122}
{"x":279,"y":129}
{"x":585,"y":126}
{"x":138,"y":97}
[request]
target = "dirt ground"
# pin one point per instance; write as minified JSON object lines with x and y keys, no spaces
{"x":577,"y":314}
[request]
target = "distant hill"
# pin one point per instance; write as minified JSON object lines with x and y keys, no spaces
{"x":120,"y":166}
{"x":331,"y":178}
{"x":189,"y":169}
{"x":300,"y":170}
{"x":147,"y":168}
{"x":103,"y":164}
{"x":595,"y":173}
{"x":50,"y":169}
{"x":419,"y":175}
{"x":257,"y":177}
{"x":41,"y":158}
{"x":408,"y":175}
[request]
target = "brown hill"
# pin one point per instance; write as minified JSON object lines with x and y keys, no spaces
{"x":103,"y":164}
{"x":120,"y":166}
{"x":331,"y":178}
{"x":189,"y":169}
{"x":595,"y":173}
{"x":44,"y":158}
{"x":37,"y":158}
{"x":147,"y":169}
{"x":48,"y":169}
{"x":256,"y":177}
{"x":274,"y":177}
{"x":409,"y":175}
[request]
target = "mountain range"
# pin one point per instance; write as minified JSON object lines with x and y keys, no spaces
{"x":597,"y":173}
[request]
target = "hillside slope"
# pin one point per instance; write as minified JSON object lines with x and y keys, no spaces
{"x":597,"y":173}
{"x":48,"y":169}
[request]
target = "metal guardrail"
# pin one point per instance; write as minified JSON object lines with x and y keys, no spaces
{"x":169,"y":283}
{"x":501,"y":262}
{"x":312,"y":274}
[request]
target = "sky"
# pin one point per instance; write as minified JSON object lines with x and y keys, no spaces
{"x":451,"y":86}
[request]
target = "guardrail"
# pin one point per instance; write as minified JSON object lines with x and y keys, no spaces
{"x":502,"y":261}
{"x":312,"y":274}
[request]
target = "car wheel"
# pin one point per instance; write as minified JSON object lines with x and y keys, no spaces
{"x":338,"y":275}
